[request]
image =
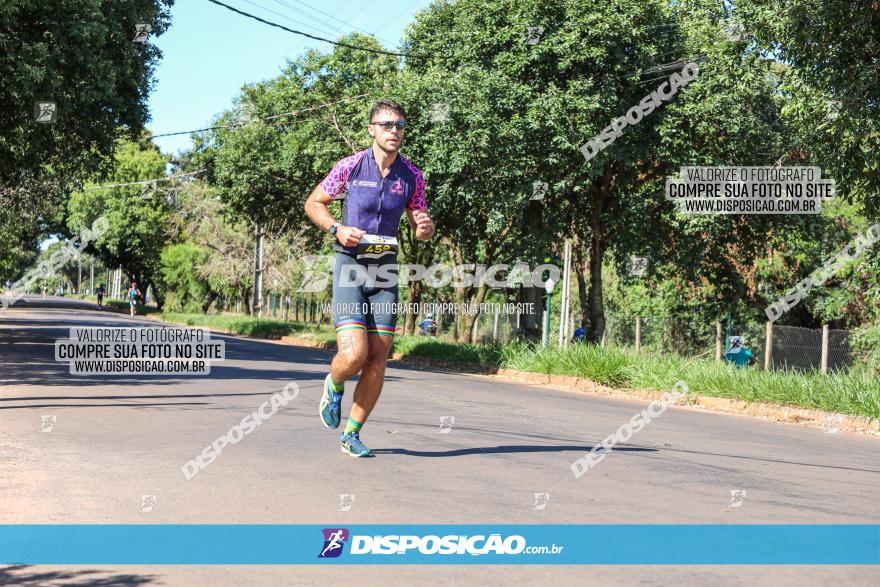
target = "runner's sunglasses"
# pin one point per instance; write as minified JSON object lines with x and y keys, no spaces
{"x":388,"y":124}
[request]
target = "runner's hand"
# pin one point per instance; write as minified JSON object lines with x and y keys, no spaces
{"x":424,"y":224}
{"x":349,"y":236}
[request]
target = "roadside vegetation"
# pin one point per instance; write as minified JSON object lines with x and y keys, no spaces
{"x":856,"y":391}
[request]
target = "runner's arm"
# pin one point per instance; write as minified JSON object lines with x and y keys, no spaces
{"x":421,"y":223}
{"x":317,"y":211}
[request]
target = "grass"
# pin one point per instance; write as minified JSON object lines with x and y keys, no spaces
{"x":853,"y":392}
{"x":251,"y":326}
{"x":120,"y":305}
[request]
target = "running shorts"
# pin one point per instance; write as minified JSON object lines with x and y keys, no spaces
{"x":365,"y":294}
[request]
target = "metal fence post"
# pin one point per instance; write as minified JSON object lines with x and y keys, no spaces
{"x":768,"y":346}
{"x":824,"y":366}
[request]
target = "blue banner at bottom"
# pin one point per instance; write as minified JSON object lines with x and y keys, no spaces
{"x":607,"y":544}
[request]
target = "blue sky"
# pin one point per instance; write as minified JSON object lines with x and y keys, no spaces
{"x":209,"y":52}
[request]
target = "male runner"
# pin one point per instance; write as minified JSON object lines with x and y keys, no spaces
{"x":133,"y":294}
{"x":376,"y":185}
{"x":100,"y":293}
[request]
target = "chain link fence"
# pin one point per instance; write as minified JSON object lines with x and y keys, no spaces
{"x":801,"y":348}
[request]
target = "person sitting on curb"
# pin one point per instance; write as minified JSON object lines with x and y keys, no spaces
{"x":737,"y":354}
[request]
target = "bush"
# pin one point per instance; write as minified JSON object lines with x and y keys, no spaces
{"x":865,"y":343}
{"x":178,"y":276}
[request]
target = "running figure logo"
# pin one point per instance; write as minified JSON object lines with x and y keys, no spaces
{"x":397,"y":187}
{"x":334,"y":540}
{"x":446,"y":423}
{"x":346,"y":500}
{"x":736,"y":497}
{"x":45,"y":112}
{"x":541,"y":501}
{"x":147,"y":503}
{"x":47,"y":423}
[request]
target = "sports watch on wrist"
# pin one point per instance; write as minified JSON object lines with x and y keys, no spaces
{"x":332,"y":229}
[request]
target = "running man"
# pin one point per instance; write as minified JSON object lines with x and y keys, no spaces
{"x":133,"y":294}
{"x":100,"y":293}
{"x":376,"y":185}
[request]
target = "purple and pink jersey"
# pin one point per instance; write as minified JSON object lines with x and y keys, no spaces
{"x":370,"y":202}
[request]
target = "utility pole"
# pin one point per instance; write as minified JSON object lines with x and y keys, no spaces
{"x":258,"y":271}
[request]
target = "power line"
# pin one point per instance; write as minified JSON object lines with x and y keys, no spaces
{"x":272,"y":117}
{"x":369,"y":2}
{"x":144,"y":182}
{"x":284,"y":16}
{"x":329,"y":25}
{"x":284,"y":28}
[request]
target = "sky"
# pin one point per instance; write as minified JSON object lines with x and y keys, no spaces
{"x":210,"y":52}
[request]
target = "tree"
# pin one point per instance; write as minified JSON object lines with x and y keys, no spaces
{"x":590,"y":66}
{"x":138,"y":215}
{"x":832,"y":48}
{"x":47,"y":50}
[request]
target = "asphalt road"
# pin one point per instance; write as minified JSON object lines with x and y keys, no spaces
{"x":115,"y":439}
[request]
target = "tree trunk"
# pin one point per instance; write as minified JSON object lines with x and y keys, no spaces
{"x":246,"y":298}
{"x":596,"y":309}
{"x":207,"y":304}
{"x":470,"y":319}
{"x":413,"y":296}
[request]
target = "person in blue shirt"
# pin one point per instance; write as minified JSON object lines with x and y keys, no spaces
{"x":428,"y":326}
{"x":376,"y":186}
{"x":737,"y":354}
{"x":133,"y":294}
{"x":579,"y":334}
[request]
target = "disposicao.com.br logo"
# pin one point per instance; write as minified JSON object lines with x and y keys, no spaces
{"x":402,"y":544}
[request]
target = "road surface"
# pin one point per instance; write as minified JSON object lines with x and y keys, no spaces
{"x":115,"y":439}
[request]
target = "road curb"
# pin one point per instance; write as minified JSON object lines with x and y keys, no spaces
{"x":829,"y":421}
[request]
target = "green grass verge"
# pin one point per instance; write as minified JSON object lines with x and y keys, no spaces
{"x":855,"y":392}
{"x":252,"y":326}
{"x":120,"y":305}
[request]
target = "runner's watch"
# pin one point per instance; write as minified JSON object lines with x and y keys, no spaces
{"x":332,"y":229}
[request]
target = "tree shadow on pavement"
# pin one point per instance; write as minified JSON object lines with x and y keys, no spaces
{"x":31,"y":576}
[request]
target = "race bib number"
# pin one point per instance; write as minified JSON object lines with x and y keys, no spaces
{"x":373,"y":246}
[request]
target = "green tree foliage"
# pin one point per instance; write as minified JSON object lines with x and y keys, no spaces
{"x":520,"y":113}
{"x":138,"y":215}
{"x":833,"y":48}
{"x":185,"y":290}
{"x":80,"y":55}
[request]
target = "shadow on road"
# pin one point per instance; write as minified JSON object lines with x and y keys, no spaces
{"x":507,"y":449}
{"x":27,"y":352}
{"x":27,"y":575}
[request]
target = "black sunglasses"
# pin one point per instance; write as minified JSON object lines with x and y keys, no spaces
{"x":388,"y":125}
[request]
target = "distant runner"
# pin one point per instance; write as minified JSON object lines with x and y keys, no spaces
{"x":100,"y":293}
{"x":376,"y":185}
{"x":133,"y":294}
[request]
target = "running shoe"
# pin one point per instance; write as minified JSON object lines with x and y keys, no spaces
{"x":329,"y":407}
{"x":351,"y":444}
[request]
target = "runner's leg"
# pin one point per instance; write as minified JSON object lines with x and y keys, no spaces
{"x":372,"y":378}
{"x":381,"y":322}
